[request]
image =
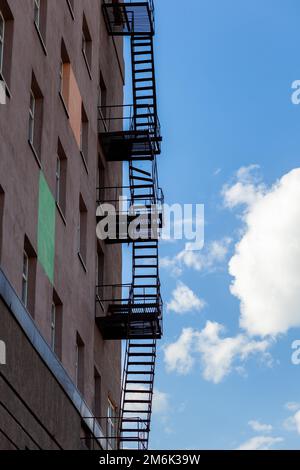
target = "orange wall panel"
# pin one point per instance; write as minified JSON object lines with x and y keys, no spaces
{"x":73,"y":100}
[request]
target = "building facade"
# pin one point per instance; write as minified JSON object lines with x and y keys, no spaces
{"x":58,"y":64}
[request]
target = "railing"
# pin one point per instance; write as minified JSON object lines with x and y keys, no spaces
{"x":120,"y":197}
{"x":121,"y":19}
{"x":111,"y":437}
{"x":122,"y":117}
{"x":127,"y":294}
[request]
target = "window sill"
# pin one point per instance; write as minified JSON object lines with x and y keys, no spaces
{"x":7,"y":90}
{"x":35,"y":154}
{"x":71,"y":9}
{"x":40,"y":38}
{"x":84,"y":161}
{"x":82,"y":262}
{"x":61,"y":213}
{"x":87,"y":64}
{"x":64,"y":105}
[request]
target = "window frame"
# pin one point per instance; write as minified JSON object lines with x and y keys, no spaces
{"x":58,"y":180}
{"x":2,"y":42}
{"x":111,"y":423}
{"x":53,"y":326}
{"x":25,"y":278}
{"x":32,"y":107}
{"x":61,"y":76}
{"x":37,"y":13}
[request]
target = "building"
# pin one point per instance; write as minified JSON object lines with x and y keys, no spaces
{"x":62,"y":150}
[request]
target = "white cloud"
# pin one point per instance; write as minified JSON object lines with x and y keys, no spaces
{"x":160,"y":402}
{"x":217,"y":355}
{"x":293,"y":422}
{"x":292,"y":406}
{"x":184,"y":300}
{"x":265,"y":266}
{"x":212,"y":255}
{"x":178,"y":355}
{"x":260,"y":427}
{"x":247,"y":189}
{"x":260,"y":443}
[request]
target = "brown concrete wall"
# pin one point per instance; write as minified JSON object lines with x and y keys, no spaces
{"x":48,"y":413}
{"x":19,"y":177}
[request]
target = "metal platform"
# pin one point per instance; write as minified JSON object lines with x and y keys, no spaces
{"x":129,"y":18}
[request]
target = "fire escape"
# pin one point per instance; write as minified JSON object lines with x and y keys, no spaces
{"x":133,"y":312}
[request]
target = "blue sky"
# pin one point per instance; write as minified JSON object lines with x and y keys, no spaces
{"x":224,"y":74}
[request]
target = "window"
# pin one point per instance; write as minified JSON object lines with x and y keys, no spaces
{"x":82,"y":230}
{"x":53,"y":325}
{"x":111,"y":424}
{"x":64,"y":76}
{"x":6,"y":41}
{"x":79,"y":364}
{"x":87,"y":45}
{"x":1,"y":218}
{"x":40,"y":19}
{"x":37,"y":12}
{"x":102,"y":102}
{"x":100,"y":270}
{"x":35,"y":118}
{"x":61,"y":179}
{"x":28,"y":276}
{"x":71,"y":7}
{"x":2,"y":33}
{"x":31,"y":117}
{"x":56,"y":325}
{"x":102,"y":95}
{"x":100,"y":180}
{"x":25,"y":278}
{"x":84,"y":135}
{"x":97,"y":394}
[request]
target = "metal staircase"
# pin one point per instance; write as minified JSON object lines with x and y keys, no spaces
{"x":137,"y":314}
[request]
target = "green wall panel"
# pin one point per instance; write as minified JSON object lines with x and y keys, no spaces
{"x":46,"y":228}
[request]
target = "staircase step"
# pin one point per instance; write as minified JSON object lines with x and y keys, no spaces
{"x":145,"y":88}
{"x":144,"y":71}
{"x":140,"y":372}
{"x":145,"y":266}
{"x":139,"y":391}
{"x":146,"y":247}
{"x":142,"y":52}
{"x":146,"y":257}
{"x":138,"y":354}
{"x":144,"y":296}
{"x":135,"y":420}
{"x":136,"y":412}
{"x":145,"y":276}
{"x":142,"y":345}
{"x":143,"y":79}
{"x":143,"y":61}
{"x":142,"y":44}
{"x":133,"y":439}
{"x":140,"y":382}
{"x":125,"y":430}
{"x":138,"y":401}
{"x":145,"y":125}
{"x":141,"y":186}
{"x":146,"y":97}
{"x":144,"y":363}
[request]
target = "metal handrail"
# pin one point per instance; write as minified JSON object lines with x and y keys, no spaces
{"x":153,"y":123}
{"x":115,"y":195}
